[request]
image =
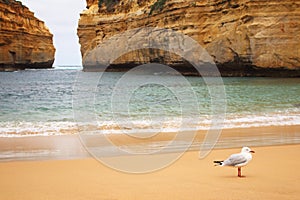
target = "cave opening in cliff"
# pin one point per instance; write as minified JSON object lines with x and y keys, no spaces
{"x":13,"y":56}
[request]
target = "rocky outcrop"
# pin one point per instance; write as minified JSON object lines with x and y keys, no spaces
{"x":244,"y":37}
{"x":25,"y":41}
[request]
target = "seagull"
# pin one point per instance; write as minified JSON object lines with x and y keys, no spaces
{"x":238,"y":160}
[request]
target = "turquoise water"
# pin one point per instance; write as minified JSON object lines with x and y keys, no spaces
{"x":41,"y":102}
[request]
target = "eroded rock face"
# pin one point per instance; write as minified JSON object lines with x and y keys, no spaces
{"x":25,"y":41}
{"x":244,"y":37}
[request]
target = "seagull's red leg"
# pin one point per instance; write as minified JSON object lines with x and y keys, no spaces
{"x":239,"y":172}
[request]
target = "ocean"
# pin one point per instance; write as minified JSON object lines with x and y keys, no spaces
{"x":41,"y":103}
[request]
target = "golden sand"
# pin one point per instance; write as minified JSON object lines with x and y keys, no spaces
{"x":272,"y":174}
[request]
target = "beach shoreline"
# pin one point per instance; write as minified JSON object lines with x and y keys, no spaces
{"x":59,"y":167}
{"x":75,"y":146}
{"x":268,"y":176}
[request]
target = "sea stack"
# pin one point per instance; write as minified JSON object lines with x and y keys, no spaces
{"x":25,"y":41}
{"x":245,"y":38}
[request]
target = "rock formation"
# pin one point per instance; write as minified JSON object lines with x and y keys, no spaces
{"x":25,"y":41}
{"x":244,"y":37}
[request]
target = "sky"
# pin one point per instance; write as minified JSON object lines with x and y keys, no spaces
{"x":61,"y":17}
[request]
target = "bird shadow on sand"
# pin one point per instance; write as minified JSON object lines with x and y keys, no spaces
{"x":236,"y":177}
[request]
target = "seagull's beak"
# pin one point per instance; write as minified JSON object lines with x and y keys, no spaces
{"x":252,"y":151}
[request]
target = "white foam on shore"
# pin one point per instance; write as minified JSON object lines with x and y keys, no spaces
{"x":23,"y":129}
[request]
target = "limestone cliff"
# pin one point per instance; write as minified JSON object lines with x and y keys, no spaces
{"x":245,"y":37}
{"x":25,"y":41}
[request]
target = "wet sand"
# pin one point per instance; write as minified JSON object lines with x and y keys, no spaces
{"x":70,"y":146}
{"x":272,"y":174}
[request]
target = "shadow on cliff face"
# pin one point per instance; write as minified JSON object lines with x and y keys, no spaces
{"x":230,"y":69}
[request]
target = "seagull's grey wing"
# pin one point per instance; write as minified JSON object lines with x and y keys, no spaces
{"x":235,"y":159}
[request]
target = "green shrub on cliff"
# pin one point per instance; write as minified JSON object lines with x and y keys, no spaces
{"x":157,"y":6}
{"x":11,"y":2}
{"x":5,"y":1}
{"x":108,"y":3}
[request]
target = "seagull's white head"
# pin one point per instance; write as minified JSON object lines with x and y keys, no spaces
{"x":247,"y":150}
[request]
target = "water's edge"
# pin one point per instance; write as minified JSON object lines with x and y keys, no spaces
{"x":68,"y":147}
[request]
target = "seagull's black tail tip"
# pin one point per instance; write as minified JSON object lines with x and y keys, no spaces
{"x":218,"y":162}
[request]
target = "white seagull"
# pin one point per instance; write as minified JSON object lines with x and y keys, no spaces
{"x":238,"y":160}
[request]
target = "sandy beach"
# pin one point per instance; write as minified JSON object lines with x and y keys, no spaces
{"x":272,"y":174}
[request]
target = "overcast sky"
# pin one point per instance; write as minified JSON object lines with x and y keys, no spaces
{"x":61,"y":17}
